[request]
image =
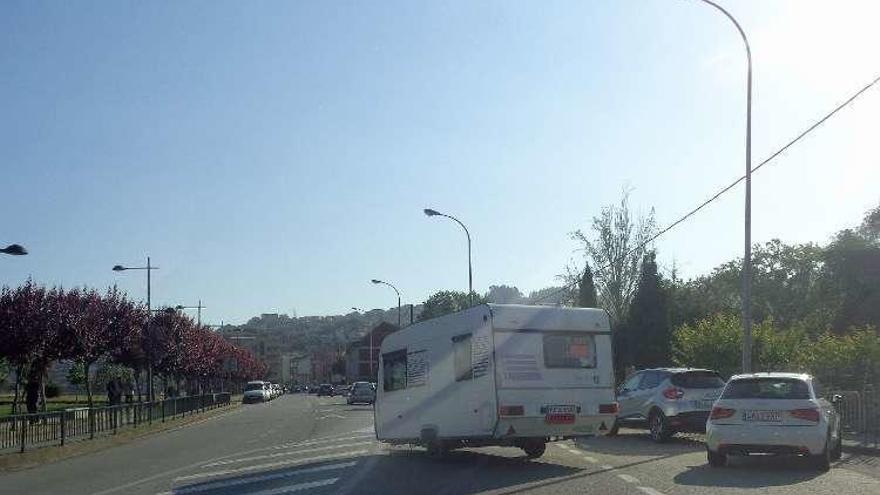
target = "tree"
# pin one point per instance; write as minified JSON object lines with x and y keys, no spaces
{"x":587,"y":290}
{"x":76,"y":376}
{"x":448,"y":301}
{"x":646,"y":341}
{"x":616,"y":250}
{"x":503,"y":294}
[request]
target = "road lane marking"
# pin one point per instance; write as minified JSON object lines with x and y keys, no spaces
{"x":628,"y":478}
{"x":258,"y":467}
{"x":606,"y":467}
{"x":283,"y":454}
{"x":258,"y":479}
{"x":318,"y":442}
{"x":297,"y":487}
{"x":589,"y":459}
{"x":649,"y":490}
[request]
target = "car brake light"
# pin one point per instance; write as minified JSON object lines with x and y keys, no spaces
{"x":721,"y":413}
{"x":673,"y":393}
{"x":612,"y":408}
{"x":805,"y":414}
{"x":511,"y":410}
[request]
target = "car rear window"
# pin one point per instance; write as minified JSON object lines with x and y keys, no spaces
{"x":569,"y":351}
{"x":767,"y":388}
{"x":697,"y":379}
{"x":254,"y":386}
{"x":363,"y":387}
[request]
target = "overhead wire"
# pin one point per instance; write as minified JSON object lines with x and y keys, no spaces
{"x":718,"y":194}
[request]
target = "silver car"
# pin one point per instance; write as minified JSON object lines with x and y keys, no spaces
{"x":668,"y":400}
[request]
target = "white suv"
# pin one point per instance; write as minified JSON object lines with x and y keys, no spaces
{"x":667,"y":400}
{"x":774,"y":413}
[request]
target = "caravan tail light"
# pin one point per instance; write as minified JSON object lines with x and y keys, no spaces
{"x":511,"y":410}
{"x":612,"y":408}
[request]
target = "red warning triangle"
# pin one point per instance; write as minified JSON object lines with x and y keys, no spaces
{"x":511,"y":431}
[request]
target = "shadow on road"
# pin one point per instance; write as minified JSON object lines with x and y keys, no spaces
{"x":636,"y":443}
{"x":750,"y":472}
{"x":398,"y":471}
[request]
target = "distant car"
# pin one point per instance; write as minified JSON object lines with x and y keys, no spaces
{"x":774,"y":413}
{"x":325,"y":390}
{"x":668,"y":400}
{"x":256,"y":391}
{"x":362,"y":393}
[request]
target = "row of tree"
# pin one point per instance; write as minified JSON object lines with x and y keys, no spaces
{"x":40,"y":325}
{"x":810,"y":302}
{"x":816,"y":308}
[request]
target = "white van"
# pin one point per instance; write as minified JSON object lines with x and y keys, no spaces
{"x":494,"y":374}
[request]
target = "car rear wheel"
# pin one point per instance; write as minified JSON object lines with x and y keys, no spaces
{"x":534,"y":448}
{"x":615,"y":428}
{"x":658,"y":427}
{"x":837,"y":451}
{"x":822,"y":461}
{"x":716,"y":459}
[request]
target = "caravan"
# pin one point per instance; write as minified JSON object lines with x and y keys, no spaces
{"x":508,"y":375}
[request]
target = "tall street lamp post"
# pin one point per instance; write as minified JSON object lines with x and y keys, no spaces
{"x":149,"y":268}
{"x":198,"y":307}
{"x":375,"y":281}
{"x":434,"y":213}
{"x":747,"y":255}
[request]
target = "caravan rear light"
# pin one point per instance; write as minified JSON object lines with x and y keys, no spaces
{"x":511,"y":410}
{"x":612,"y":408}
{"x":673,"y":393}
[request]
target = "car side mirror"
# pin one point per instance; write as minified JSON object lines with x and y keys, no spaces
{"x":836,"y":398}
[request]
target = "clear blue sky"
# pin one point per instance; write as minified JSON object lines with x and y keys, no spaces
{"x":275,"y":156}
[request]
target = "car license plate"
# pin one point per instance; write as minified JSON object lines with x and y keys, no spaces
{"x":702,"y":404}
{"x":762,"y":416}
{"x":560,"y":414}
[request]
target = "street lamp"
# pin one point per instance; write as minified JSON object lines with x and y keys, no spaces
{"x":198,"y":307}
{"x":398,"y":297}
{"x":149,"y":268}
{"x":747,"y":255}
{"x":434,"y":213}
{"x":14,"y":250}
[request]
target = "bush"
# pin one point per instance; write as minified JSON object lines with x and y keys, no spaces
{"x":52,"y":390}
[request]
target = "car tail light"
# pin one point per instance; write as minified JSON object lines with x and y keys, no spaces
{"x":721,"y":413}
{"x":673,"y":393}
{"x":805,"y":414}
{"x":511,"y":410}
{"x":612,"y":408}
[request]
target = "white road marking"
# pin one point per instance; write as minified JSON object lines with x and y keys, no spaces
{"x":297,"y":487}
{"x":283,"y":454}
{"x":269,"y":465}
{"x":327,"y":416}
{"x":318,"y":442}
{"x":589,"y":459}
{"x":649,"y":490}
{"x":257,"y":479}
{"x":628,"y":478}
{"x":606,"y":467}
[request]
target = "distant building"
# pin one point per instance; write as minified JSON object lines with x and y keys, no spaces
{"x":362,"y":356}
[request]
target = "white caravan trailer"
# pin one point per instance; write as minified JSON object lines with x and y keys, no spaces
{"x":497,"y":374}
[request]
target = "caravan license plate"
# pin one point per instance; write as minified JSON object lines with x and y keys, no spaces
{"x":762,"y":416}
{"x":560,"y":415}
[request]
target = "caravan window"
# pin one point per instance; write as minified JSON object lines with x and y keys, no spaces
{"x":462,"y":348}
{"x":567,"y":350}
{"x":394,"y":370}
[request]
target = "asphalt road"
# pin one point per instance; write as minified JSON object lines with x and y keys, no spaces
{"x":303,"y":444}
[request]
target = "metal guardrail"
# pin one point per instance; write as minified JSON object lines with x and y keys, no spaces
{"x":23,"y":430}
{"x":860,"y":417}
